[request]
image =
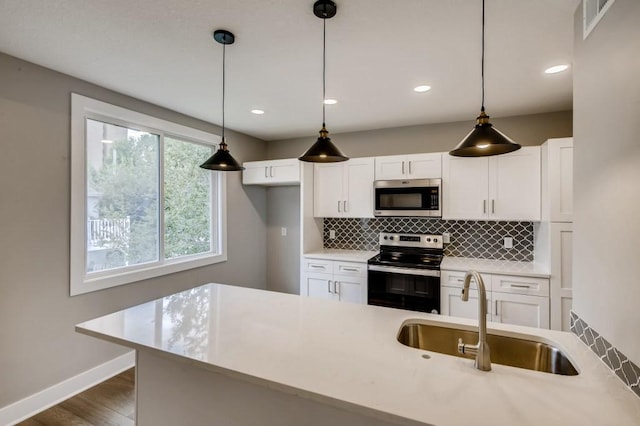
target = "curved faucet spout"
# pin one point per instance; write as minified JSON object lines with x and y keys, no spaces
{"x":481,"y":350}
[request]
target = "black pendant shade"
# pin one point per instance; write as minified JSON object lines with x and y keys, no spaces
{"x":222,"y":159}
{"x":484,"y":139}
{"x":323,"y":151}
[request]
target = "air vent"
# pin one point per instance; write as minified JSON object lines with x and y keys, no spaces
{"x":592,"y":12}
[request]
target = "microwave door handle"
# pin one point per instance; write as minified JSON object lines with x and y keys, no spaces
{"x":403,"y":167}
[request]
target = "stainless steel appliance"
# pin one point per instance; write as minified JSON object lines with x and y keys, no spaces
{"x":412,"y":197}
{"x":406,"y":272}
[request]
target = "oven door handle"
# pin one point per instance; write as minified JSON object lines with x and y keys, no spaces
{"x":405,"y":271}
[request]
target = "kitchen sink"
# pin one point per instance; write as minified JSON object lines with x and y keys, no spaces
{"x":511,"y":351}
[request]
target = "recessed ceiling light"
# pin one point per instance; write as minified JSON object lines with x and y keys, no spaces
{"x":257,"y":111}
{"x":556,"y":69}
{"x":423,"y":88}
{"x":106,"y":141}
{"x":329,"y":101}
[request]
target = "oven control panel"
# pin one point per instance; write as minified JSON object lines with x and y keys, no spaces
{"x":411,"y":240}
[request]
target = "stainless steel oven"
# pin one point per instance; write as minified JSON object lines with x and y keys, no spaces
{"x":406,"y":272}
{"x":413,"y":197}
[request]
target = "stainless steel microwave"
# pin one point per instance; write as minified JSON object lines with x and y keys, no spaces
{"x":412,"y":197}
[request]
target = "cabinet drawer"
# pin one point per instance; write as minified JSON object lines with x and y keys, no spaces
{"x":350,"y":268}
{"x":520,"y":285}
{"x":456,"y":279}
{"x":318,"y":265}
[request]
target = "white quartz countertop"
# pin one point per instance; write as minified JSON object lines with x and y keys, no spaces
{"x":344,"y":255}
{"x":347,"y":355}
{"x":488,"y":266}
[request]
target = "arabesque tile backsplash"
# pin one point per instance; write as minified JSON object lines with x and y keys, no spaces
{"x":469,"y":238}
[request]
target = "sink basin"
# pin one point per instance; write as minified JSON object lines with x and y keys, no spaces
{"x":511,"y":351}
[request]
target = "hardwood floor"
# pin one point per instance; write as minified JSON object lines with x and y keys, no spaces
{"x":110,"y":403}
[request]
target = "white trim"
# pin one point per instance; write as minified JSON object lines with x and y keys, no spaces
{"x":82,"y":108}
{"x":588,"y":27}
{"x":40,"y":401}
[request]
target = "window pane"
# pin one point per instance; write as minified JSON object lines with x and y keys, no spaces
{"x":122,"y":196}
{"x":187,"y":199}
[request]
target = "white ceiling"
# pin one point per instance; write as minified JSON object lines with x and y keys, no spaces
{"x":162,"y":51}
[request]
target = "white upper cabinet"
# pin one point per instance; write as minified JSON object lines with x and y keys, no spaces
{"x":514,"y":185}
{"x":557,"y":180}
{"x":344,"y":189}
{"x":415,"y":166}
{"x":272,"y":172}
{"x":465,"y":186}
{"x":501,"y":187}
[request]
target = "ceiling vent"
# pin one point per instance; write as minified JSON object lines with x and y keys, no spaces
{"x":592,"y":12}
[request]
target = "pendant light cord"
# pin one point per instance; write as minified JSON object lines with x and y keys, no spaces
{"x":224,"y":46}
{"x":482,"y":72}
{"x":324,"y":66}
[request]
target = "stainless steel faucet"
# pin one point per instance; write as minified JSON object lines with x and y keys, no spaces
{"x":481,"y":350}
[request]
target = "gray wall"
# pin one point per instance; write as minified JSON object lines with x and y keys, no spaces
{"x":606,"y":245}
{"x":526,"y":130}
{"x":283,"y":253}
{"x":39,"y":347}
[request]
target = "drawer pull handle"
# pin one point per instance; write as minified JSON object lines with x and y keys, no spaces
{"x":520,"y":285}
{"x":316,"y":266}
{"x":350,"y":269}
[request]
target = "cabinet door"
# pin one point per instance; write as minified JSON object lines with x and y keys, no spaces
{"x":358,"y":188}
{"x":561,"y":179}
{"x":255,"y":173}
{"x":514,"y":185}
{"x":349,"y":289}
{"x":390,"y":167}
{"x":284,"y":171}
{"x":328,"y":197}
{"x":424,"y":166}
{"x":319,"y":285}
{"x":465,"y":183}
{"x":519,"y":309}
{"x":561,"y":275}
{"x":451,"y":303}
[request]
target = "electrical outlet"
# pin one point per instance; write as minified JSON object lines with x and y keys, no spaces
{"x":508,"y":242}
{"x":446,"y":238}
{"x":332,"y":234}
{"x":283,"y":231}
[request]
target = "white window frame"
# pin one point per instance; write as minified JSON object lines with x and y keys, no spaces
{"x":82,"y":108}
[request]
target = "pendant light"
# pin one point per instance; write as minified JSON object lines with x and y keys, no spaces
{"x":222,"y":159}
{"x":484,"y":139}
{"x":324,"y":151}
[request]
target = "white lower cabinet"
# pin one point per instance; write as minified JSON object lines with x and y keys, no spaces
{"x":451,"y":303}
{"x":511,"y":299}
{"x":335,"y":280}
{"x":520,"y":309}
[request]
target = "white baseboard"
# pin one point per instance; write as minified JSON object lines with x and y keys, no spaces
{"x":31,"y":405}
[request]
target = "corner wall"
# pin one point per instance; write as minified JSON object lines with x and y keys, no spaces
{"x":606,"y":269}
{"x":37,"y":316}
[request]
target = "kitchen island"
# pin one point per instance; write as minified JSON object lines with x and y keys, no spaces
{"x":225,"y":355}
